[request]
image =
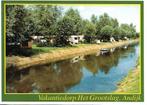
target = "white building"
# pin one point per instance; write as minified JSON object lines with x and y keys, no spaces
{"x":75,"y":39}
{"x":97,"y":41}
{"x":112,"y":39}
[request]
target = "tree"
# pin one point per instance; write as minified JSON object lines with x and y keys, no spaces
{"x":76,"y":19}
{"x":89,"y":28}
{"x":123,"y":33}
{"x":137,"y":35}
{"x":133,"y":31}
{"x":69,"y":24}
{"x":19,"y":25}
{"x":43,"y":19}
{"x":89,"y":31}
{"x":128,"y":30}
{"x":15,"y":28}
{"x":94,"y":19}
{"x":10,"y":20}
{"x":15,"y":20}
{"x":30,"y":26}
{"x":102,"y":22}
{"x":106,"y":33}
{"x":116,"y":29}
{"x":114,"y":23}
{"x":65,"y":28}
{"x":116,"y":33}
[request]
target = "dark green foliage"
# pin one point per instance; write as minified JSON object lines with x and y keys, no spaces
{"x":15,"y":19}
{"x":116,"y":33}
{"x":62,"y":41}
{"x":106,"y":33}
{"x":102,"y":22}
{"x":35,"y":20}
{"x":89,"y":31}
{"x":66,"y":26}
{"x":89,"y":28}
{"x":89,"y":39}
{"x":70,"y":24}
{"x":76,"y":20}
{"x":45,"y":18}
{"x":128,"y":30}
{"x":15,"y":27}
{"x":114,"y":23}
{"x":23,"y":21}
{"x":94,"y":19}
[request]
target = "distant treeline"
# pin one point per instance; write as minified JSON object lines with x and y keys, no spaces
{"x":47,"y":20}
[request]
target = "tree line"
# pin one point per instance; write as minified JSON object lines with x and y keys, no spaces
{"x":23,"y":21}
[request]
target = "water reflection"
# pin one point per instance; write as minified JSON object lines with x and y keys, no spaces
{"x":69,"y":75}
{"x":54,"y":77}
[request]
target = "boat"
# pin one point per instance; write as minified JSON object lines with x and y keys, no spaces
{"x":104,"y":51}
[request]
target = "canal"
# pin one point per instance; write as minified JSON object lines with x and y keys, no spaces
{"x":82,"y":74}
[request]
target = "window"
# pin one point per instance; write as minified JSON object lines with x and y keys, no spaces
{"x":76,"y":38}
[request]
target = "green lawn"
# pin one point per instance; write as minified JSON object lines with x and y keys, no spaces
{"x":42,"y":49}
{"x":50,"y":49}
{"x":131,"y":83}
{"x":37,"y":50}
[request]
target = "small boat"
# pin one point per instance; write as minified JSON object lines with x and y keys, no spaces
{"x":104,"y":51}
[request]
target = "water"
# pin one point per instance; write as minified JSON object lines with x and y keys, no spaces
{"x":82,"y":74}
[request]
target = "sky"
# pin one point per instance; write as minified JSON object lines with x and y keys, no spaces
{"x":124,"y":13}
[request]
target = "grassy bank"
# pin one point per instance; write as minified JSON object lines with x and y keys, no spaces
{"x":131,"y":83}
{"x":55,"y":54}
{"x":39,"y":50}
